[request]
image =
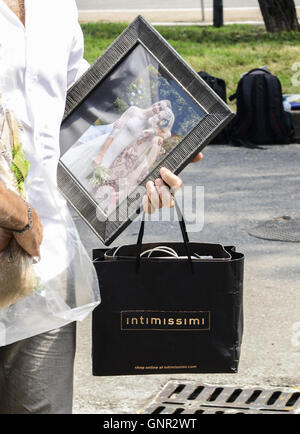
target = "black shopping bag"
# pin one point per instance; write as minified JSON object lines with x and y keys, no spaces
{"x":164,"y":314}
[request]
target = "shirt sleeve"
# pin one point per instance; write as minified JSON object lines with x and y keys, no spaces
{"x":77,"y":65}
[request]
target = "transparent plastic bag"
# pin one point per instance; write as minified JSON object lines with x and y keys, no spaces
{"x":17,"y":277}
{"x":63,"y":286}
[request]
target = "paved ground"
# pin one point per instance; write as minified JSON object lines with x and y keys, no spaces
{"x":167,"y":11}
{"x":161,"y":4}
{"x":243,"y":187}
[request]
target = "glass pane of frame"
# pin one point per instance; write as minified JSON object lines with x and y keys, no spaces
{"x":123,"y":124}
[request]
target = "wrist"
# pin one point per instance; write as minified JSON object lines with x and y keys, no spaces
{"x":23,"y":220}
{"x":18,"y":214}
{"x":28,"y":223}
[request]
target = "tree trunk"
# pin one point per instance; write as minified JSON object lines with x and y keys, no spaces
{"x":279,"y":15}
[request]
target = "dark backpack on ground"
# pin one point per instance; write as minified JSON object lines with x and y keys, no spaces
{"x":260,"y":117}
{"x":219,"y":86}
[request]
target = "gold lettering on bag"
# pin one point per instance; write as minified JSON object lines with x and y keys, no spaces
{"x":165,"y":320}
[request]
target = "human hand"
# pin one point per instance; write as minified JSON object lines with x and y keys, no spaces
{"x":5,"y":237}
{"x":197,"y":158}
{"x":161,"y":192}
{"x":97,"y":160}
{"x":31,"y":240}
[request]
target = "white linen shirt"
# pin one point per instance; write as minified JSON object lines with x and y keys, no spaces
{"x":38,"y":63}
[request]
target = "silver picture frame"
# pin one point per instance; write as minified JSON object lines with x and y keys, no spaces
{"x":139,"y":37}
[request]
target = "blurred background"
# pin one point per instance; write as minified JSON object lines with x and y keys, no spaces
{"x":170,"y":10}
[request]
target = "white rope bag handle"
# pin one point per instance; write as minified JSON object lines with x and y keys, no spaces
{"x":164,"y":249}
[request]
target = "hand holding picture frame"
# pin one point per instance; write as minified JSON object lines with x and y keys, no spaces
{"x":138,"y":108}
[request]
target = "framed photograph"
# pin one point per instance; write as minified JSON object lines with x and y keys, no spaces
{"x":138,"y":108}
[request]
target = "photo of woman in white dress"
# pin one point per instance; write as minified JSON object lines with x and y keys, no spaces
{"x":111,"y":165}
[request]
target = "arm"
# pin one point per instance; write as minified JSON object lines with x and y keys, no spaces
{"x":5,"y":237}
{"x":99,"y":157}
{"x":77,"y":65}
{"x":14,"y":215}
{"x":13,"y":210}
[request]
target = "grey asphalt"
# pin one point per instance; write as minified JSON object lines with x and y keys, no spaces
{"x":159,"y":4}
{"x":243,"y":187}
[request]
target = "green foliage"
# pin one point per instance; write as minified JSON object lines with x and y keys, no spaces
{"x":226,"y":52}
{"x":100,"y":121}
{"x":20,"y":167}
{"x":121,"y":105}
{"x":137,"y":94}
{"x":228,"y":34}
{"x":98,"y":176}
{"x":185,"y":115}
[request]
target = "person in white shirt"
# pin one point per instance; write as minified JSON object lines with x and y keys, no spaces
{"x":41,"y":56}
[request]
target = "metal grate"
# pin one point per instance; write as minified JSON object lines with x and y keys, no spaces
{"x":284,"y":228}
{"x":197,"y":398}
